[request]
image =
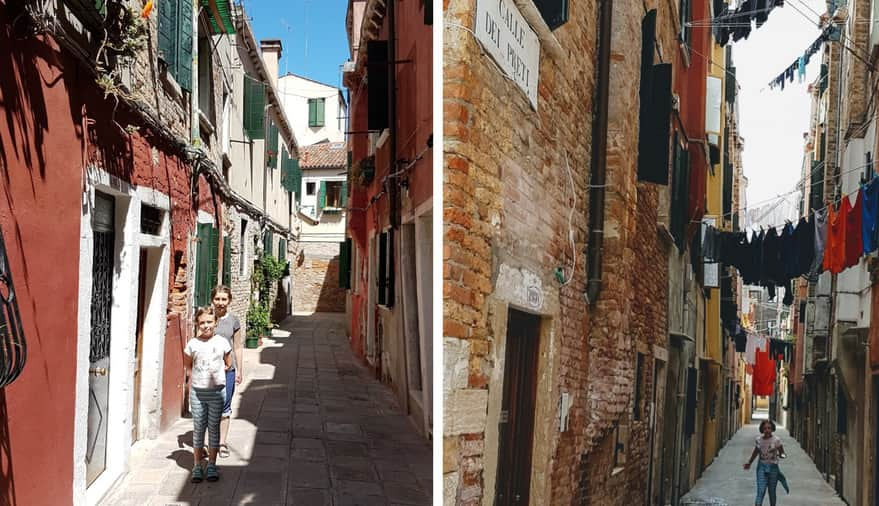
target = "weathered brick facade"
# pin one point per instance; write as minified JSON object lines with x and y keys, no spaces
{"x":316,"y":279}
{"x":515,"y":187}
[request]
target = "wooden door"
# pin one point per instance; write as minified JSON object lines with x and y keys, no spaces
{"x":517,"y":410}
{"x":138,"y":347}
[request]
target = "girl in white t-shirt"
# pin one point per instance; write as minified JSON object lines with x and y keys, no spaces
{"x":208,"y":355}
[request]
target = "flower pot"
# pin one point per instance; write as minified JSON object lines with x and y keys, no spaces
{"x":252,"y":342}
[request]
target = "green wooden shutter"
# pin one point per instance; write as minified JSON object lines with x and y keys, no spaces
{"x":227,"y":261}
{"x":267,"y":242}
{"x":321,"y":109}
{"x":391,"y":278}
{"x":382,"y":268}
{"x":214,"y":262}
{"x":345,"y":264}
{"x":322,"y":195}
{"x":183,"y":73}
{"x":254,"y":108}
{"x":202,"y":264}
{"x":343,"y":197}
{"x":312,"y":112}
{"x":296,"y":176}
{"x":282,"y":249}
{"x":168,"y":33}
{"x":272,"y":146}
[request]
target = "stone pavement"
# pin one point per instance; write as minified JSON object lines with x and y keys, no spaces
{"x":726,"y":483}
{"x":311,"y":427}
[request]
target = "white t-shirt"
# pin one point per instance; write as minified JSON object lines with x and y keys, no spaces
{"x":769,"y":449}
{"x":208,"y":368}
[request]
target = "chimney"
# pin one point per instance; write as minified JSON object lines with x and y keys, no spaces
{"x":271,"y":53}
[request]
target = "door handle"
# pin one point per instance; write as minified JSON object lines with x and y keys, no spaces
{"x":98,"y":371}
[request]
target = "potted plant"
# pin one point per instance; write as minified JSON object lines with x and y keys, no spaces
{"x":257,"y":324}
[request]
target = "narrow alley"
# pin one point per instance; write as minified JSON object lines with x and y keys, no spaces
{"x":311,"y":427}
{"x":725,"y":483}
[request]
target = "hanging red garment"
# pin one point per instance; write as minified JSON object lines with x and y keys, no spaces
{"x":854,"y":244}
{"x":764,"y":374}
{"x":834,"y":248}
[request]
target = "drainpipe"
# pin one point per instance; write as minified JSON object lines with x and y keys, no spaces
{"x":394,"y":194}
{"x":598,"y":166}
{"x":195,"y":128}
{"x":394,"y":190}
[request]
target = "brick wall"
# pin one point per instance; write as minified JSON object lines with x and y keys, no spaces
{"x":316,"y":279}
{"x":514,"y":190}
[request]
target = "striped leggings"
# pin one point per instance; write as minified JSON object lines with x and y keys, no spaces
{"x":206,"y":407}
{"x":767,"y":479}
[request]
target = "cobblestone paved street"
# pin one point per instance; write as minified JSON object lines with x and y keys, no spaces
{"x":312,"y":427}
{"x":726,"y":483}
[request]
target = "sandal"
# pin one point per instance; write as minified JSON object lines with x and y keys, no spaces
{"x":224,"y":451}
{"x":212,"y":473}
{"x":197,"y":474}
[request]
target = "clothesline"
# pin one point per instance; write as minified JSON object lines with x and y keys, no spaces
{"x":799,"y":65}
{"x":828,"y":204}
{"x":832,"y":241}
{"x":798,"y":188}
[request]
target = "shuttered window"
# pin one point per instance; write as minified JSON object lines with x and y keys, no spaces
{"x":282,"y":249}
{"x":227,"y":260}
{"x":382,"y":265}
{"x":267,"y":241}
{"x":272,"y":146}
{"x":206,"y":263}
{"x":316,"y":108}
{"x":679,"y":194}
{"x":175,"y":40}
{"x":254,"y":108}
{"x":386,"y":279}
{"x":554,"y":12}
{"x":291,"y":176}
{"x":343,"y":196}
{"x":322,"y":195}
{"x":377,"y":67}
{"x":686,"y":16}
{"x":345,"y":264}
{"x":655,"y":109}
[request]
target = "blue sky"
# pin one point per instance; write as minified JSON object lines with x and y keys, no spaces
{"x":312,"y":33}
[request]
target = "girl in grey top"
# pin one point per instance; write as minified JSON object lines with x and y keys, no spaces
{"x":229,"y":327}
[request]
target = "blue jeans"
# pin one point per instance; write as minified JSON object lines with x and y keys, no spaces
{"x":229,"y":390}
{"x":767,"y":478}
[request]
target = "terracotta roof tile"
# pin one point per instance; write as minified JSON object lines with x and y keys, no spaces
{"x":326,"y":155}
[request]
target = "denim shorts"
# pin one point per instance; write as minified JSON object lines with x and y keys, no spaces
{"x":229,"y":390}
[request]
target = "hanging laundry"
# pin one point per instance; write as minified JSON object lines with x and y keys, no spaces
{"x":834,"y":249}
{"x":819,"y":220}
{"x":789,"y":252}
{"x":854,"y":245}
{"x":771,"y":270}
{"x":764,"y":374}
{"x":711,"y":244}
{"x":756,"y":342}
{"x":799,"y":65}
{"x":870,"y":215}
{"x":804,"y":238}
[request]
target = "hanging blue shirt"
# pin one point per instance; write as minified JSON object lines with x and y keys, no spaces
{"x":870,"y":215}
